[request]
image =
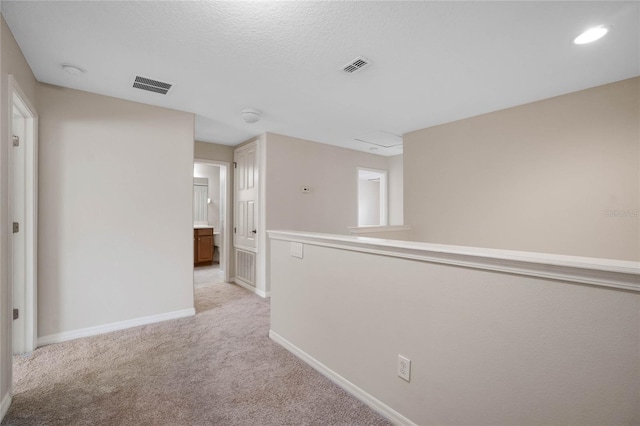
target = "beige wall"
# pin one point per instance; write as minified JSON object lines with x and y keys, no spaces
{"x":288,"y":163}
{"x":11,"y":62}
{"x":332,"y":204}
{"x":486,"y":348}
{"x":212,"y":151}
{"x":540,"y":177}
{"x":396,"y":203}
{"x":116,"y":185}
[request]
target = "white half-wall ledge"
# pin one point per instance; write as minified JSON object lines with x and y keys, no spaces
{"x":378,"y":228}
{"x":114,"y":326}
{"x":613,"y":273}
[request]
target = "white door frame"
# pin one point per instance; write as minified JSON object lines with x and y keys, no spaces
{"x":227,"y":235}
{"x":17,"y":98}
{"x":384,"y":194}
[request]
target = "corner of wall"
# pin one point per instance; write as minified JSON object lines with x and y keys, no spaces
{"x":12,"y":61}
{"x":5,"y":404}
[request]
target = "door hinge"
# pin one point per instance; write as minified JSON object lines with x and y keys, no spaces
{"x":234,"y":230}
{"x":235,"y":165}
{"x":16,"y":140}
{"x":16,"y":227}
{"x":16,"y":314}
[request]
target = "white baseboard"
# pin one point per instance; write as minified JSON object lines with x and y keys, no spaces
{"x":251,"y":288}
{"x":379,"y":406}
{"x":114,"y":326}
{"x":6,"y":403}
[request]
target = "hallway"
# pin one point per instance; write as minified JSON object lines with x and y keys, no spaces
{"x":207,"y":274}
{"x":216,"y":368}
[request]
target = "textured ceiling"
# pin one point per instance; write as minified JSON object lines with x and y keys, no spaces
{"x":433,"y":62}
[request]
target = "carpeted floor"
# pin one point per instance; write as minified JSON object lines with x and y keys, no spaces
{"x":207,"y":274}
{"x":217,"y":368}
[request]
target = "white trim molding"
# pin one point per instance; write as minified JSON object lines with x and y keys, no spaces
{"x":376,"y":229}
{"x":114,"y":326}
{"x":227,"y":236}
{"x":6,"y":403}
{"x":377,"y":405}
{"x":261,"y":293}
{"x":29,"y":329}
{"x":620,"y":274}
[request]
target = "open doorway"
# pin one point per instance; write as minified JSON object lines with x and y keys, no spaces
{"x":210,"y":213}
{"x":372,"y":197}
{"x":23,"y":198}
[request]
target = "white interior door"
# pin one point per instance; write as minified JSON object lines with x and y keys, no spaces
{"x":246,"y":196}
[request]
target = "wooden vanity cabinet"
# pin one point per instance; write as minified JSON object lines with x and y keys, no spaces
{"x":203,"y":245}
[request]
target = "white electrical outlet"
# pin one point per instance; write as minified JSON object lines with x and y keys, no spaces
{"x":296,"y":250}
{"x":404,"y":368}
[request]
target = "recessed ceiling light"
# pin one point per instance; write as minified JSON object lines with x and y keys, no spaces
{"x":72,"y":69}
{"x":592,"y":34}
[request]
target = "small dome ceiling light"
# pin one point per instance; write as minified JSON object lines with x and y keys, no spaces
{"x":591,"y":35}
{"x":250,"y":115}
{"x":72,"y":69}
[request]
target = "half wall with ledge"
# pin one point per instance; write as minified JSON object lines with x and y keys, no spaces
{"x":390,"y":232}
{"x":493,"y":336}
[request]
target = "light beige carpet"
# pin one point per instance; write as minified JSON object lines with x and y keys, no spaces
{"x":207,"y":274}
{"x":217,"y":368}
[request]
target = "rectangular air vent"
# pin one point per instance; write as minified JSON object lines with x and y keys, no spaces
{"x":246,"y":267}
{"x":356,"y":65}
{"x":151,"y":85}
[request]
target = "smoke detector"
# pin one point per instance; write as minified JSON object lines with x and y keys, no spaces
{"x":250,"y":115}
{"x":72,"y":69}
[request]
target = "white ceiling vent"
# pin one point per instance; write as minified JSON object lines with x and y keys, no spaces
{"x":151,"y":85}
{"x":357,"y":64}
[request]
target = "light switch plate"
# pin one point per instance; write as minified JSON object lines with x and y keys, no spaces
{"x":296,"y":250}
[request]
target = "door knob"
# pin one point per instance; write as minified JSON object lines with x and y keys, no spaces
{"x":254,"y":231}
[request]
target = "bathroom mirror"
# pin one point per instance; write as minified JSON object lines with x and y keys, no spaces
{"x":200,"y":204}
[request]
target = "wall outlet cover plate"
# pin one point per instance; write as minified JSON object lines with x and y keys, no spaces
{"x":297,"y":250}
{"x":404,"y":368}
